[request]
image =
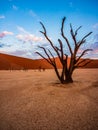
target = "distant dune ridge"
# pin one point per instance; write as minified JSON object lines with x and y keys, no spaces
{"x":9,"y":62}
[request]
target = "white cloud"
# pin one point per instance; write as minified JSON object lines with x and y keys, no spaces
{"x":24,"y":50}
{"x":2,"y":35}
{"x":8,"y":33}
{"x":2,"y":17}
{"x":26,"y":36}
{"x":20,"y":37}
{"x":29,"y":38}
{"x":5,"y":33}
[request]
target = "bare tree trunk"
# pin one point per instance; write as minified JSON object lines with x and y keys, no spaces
{"x":75,"y":60}
{"x":69,"y":78}
{"x":57,"y":73}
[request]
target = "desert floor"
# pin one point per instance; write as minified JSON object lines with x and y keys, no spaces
{"x":33,"y":100}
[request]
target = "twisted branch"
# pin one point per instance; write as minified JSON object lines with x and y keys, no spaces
{"x":65,"y":38}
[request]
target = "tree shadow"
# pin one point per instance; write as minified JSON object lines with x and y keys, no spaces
{"x":95,"y":84}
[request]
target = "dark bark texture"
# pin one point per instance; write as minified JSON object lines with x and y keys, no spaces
{"x":76,"y":60}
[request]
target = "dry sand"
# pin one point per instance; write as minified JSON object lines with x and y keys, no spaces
{"x":32,"y":100}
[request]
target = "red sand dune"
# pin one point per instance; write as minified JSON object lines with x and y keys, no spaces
{"x":9,"y":62}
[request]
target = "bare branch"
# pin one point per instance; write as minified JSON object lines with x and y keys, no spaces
{"x":44,"y":50}
{"x":45,"y":34}
{"x":65,"y":38}
{"x":85,"y":64}
{"x":83,"y":53}
{"x":61,"y":48}
{"x":61,"y":44}
{"x":83,"y":39}
{"x":42,"y":32}
{"x":45,"y":58}
{"x":57,"y":51}
{"x":78,"y":46}
{"x":46,"y":53}
{"x":87,"y":35}
{"x":58,"y":48}
{"x":43,"y":28}
{"x":51,"y":53}
{"x":81,"y":62}
{"x":81,"y":42}
{"x":52,"y":56}
{"x":73,"y":35}
{"x":77,"y":30}
{"x":67,"y":69}
{"x":62,"y":27}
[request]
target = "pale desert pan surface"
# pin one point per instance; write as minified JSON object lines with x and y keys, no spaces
{"x":33,"y":100}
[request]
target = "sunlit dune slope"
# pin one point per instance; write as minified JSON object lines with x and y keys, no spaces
{"x":13,"y":62}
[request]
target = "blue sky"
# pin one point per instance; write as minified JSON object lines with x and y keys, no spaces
{"x":19,"y":24}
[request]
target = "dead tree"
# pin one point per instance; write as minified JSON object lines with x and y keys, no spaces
{"x":75,"y":61}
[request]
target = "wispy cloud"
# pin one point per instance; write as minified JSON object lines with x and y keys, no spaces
{"x":70,"y":4}
{"x":2,"y":17}
{"x":21,"y":29}
{"x":14,"y":7}
{"x":1,"y":45}
{"x":19,"y":52}
{"x":32,"y":13}
{"x":5,"y":33}
{"x":94,"y":45}
{"x":95,"y":26}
